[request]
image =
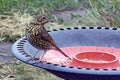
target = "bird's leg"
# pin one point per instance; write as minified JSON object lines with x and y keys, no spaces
{"x":34,"y":56}
{"x":41,"y":57}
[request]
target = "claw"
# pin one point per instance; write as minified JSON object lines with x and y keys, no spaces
{"x":36,"y":62}
{"x":32,"y":58}
{"x":29,"y":59}
{"x":68,"y":59}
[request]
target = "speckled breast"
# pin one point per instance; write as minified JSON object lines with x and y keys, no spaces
{"x":35,"y":39}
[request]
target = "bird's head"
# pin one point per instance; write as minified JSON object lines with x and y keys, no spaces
{"x":43,"y":19}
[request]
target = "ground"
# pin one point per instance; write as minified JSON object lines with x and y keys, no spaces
{"x":66,"y":14}
{"x":5,"y":51}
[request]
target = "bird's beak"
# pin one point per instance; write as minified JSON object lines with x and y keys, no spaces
{"x":51,"y":21}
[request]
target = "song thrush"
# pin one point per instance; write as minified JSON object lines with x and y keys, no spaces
{"x":39,"y":38}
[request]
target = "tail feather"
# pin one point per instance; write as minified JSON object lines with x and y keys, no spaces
{"x":62,"y":52}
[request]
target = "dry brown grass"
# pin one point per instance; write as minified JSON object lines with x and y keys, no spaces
{"x":15,"y":24}
{"x":17,"y":70}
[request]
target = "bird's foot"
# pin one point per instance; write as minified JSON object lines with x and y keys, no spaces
{"x":32,"y":59}
{"x":38,"y":61}
{"x":65,"y":61}
{"x":68,"y":59}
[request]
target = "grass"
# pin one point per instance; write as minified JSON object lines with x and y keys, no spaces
{"x":32,"y":7}
{"x":12,"y":27}
{"x":17,"y":14}
{"x":17,"y":70}
{"x":102,"y":13}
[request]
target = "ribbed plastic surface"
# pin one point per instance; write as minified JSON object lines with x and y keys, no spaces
{"x":78,"y":36}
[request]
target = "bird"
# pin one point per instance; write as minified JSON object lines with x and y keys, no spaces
{"x":39,"y":38}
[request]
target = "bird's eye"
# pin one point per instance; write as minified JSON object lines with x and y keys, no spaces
{"x":43,"y":17}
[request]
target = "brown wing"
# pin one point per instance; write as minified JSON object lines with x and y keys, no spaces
{"x":45,"y":36}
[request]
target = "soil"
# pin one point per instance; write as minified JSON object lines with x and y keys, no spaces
{"x":5,"y":51}
{"x":66,"y":14}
